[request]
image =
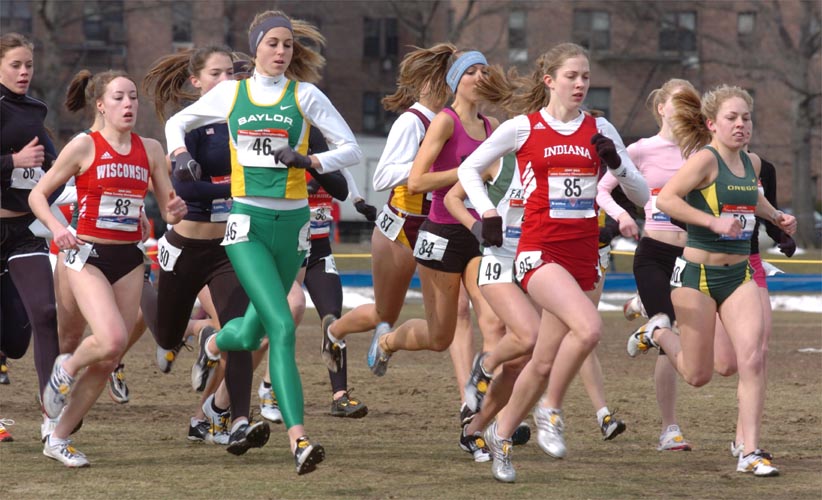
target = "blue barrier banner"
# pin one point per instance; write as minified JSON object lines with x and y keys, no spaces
{"x":624,"y":282}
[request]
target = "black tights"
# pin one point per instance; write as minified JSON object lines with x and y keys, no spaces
{"x":28,"y":310}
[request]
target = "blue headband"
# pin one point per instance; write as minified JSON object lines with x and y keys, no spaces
{"x":461,"y":65}
{"x":256,"y":35}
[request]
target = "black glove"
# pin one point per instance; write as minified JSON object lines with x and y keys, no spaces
{"x":787,"y":245}
{"x":492,"y":231}
{"x":291,"y":158}
{"x":476,"y":230}
{"x":313,"y":186}
{"x":186,"y":168}
{"x":609,"y":232}
{"x":368,"y":211}
{"x":606,"y":149}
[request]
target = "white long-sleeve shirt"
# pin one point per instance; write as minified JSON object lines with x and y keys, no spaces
{"x":353,"y":190}
{"x":401,"y":148}
{"x":512,"y":134}
{"x":216,"y":104}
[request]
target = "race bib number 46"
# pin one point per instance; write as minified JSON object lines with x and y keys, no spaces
{"x":236,"y":229}
{"x":255,"y":148}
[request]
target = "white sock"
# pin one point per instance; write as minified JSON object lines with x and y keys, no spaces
{"x":602,"y":413}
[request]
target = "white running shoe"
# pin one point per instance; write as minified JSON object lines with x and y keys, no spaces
{"x":672,"y":440}
{"x":757,"y":462}
{"x":47,"y":427}
{"x":55,"y":395}
{"x":62,"y":451}
{"x":550,"y":431}
{"x":269,"y":409}
{"x":642,"y":338}
{"x":633,"y":308}
{"x":500,"y":449}
{"x":737,"y":449}
{"x":218,"y":432}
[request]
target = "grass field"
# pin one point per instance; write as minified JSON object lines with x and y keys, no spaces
{"x":407,"y":446}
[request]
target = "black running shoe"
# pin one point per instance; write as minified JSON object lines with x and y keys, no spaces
{"x":199,"y":431}
{"x":477,"y":386}
{"x":203,"y":369}
{"x":4,"y":370}
{"x":466,"y":415}
{"x":348,"y":407}
{"x":248,"y":436}
{"x":331,"y":351}
{"x":307,"y":455}
{"x":521,"y":435}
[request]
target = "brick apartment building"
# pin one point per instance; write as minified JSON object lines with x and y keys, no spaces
{"x":635,"y":46}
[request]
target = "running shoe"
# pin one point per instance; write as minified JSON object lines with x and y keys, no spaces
{"x":478,"y":382}
{"x":757,"y":462}
{"x":247,"y":436}
{"x":165,"y":358}
{"x":203,"y":369}
{"x":377,"y":358}
{"x":198,"y":430}
{"x":117,"y":388}
{"x":642,"y":338}
{"x":57,"y":390}
{"x":522,"y":434}
{"x":348,"y":407}
{"x":5,"y":435}
{"x":672,"y":440}
{"x":331,"y":350}
{"x":611,"y":427}
{"x":4,"y":370}
{"x":550,"y":431}
{"x":218,"y":423}
{"x":62,"y":451}
{"x":269,"y":409}
{"x":47,"y":427}
{"x":307,"y":455}
{"x":633,"y":308}
{"x":466,"y":415}
{"x":501,"y":449}
{"x":475,"y":445}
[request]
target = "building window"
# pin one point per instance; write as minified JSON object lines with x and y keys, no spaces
{"x":678,"y":32}
{"x":380,"y":38}
{"x":745,"y":26}
{"x":592,"y":29}
{"x":599,"y":99}
{"x":103,"y":22}
{"x":375,"y":119}
{"x":15,"y":16}
{"x":181,"y":14}
{"x":517,"y":40}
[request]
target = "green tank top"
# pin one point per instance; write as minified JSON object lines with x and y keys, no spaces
{"x":498,"y":186}
{"x":256,"y":131}
{"x":727,"y":196}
